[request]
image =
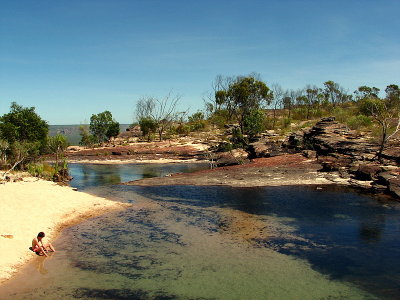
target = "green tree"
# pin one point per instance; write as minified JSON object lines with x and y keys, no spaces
{"x":103,"y":126}
{"x":57,"y":145}
{"x":393,"y":95}
{"x":148,"y":126}
{"x":334,"y":93}
{"x":364,"y":92}
{"x":23,"y":124}
{"x":243,"y":95}
{"x":87,"y":139}
{"x":254,"y":123}
{"x":196,"y":121}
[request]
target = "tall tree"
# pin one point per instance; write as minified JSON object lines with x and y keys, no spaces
{"x":23,"y":124}
{"x":364,"y":92}
{"x":393,"y":95}
{"x":334,"y":93}
{"x":103,"y":126}
{"x":244,"y":95}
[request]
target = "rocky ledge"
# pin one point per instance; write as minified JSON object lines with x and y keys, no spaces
{"x":329,"y":152}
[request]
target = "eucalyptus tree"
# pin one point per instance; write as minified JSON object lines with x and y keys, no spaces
{"x":364,"y":92}
{"x":103,"y":126}
{"x":243,"y":96}
{"x":334,"y":93}
{"x":393,"y":95}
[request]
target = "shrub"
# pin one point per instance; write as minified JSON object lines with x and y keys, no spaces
{"x":182,"y":129}
{"x":357,"y":122}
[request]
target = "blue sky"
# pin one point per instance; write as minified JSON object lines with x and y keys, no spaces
{"x":73,"y":58}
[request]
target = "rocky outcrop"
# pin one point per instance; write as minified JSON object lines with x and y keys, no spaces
{"x":330,"y":137}
{"x":265,"y":148}
{"x":394,"y":186}
{"x":230,"y":158}
{"x":350,"y":154}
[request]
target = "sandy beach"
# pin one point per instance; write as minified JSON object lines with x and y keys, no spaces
{"x":34,"y":205}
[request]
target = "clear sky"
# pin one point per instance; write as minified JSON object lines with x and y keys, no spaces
{"x":73,"y":58}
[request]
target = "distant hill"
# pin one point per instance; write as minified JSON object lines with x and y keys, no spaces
{"x":72,"y":132}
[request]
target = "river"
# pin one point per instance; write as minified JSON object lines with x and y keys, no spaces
{"x":186,"y":242}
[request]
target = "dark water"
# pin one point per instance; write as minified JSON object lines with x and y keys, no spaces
{"x":186,"y":242}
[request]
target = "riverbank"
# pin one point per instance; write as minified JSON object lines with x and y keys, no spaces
{"x":33,"y":205}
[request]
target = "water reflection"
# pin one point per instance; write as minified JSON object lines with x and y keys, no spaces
{"x":187,"y":242}
{"x":88,"y":175}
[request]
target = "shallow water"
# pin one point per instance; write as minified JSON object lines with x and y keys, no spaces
{"x":184,"y":242}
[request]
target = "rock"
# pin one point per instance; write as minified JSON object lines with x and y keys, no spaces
{"x":394,"y":186}
{"x":334,"y":163}
{"x":329,"y":136}
{"x":310,"y":154}
{"x":367,"y":172}
{"x":117,"y":153}
{"x":361,"y":183}
{"x":392,"y":153}
{"x":230,"y":158}
{"x":384,"y":177}
{"x":264,"y":148}
{"x":295,"y":141}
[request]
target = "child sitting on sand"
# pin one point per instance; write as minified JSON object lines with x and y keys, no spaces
{"x":38,"y":247}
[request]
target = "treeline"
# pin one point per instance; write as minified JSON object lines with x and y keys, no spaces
{"x":24,"y":140}
{"x":255,"y":107}
{"x":246,"y":101}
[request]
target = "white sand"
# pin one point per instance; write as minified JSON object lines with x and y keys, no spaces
{"x":33,"y":205}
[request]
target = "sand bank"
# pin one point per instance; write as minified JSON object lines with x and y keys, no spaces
{"x":34,"y":205}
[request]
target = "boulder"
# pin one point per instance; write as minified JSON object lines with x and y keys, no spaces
{"x":367,"y":172}
{"x":295,"y":140}
{"x":384,"y":177}
{"x":334,"y":163}
{"x":394,"y":186}
{"x":264,"y":148}
{"x":392,"y":153}
{"x":230,"y":158}
{"x":310,"y":154}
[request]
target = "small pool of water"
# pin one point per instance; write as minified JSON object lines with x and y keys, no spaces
{"x":187,"y":242}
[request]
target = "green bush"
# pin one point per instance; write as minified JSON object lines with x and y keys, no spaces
{"x":182,"y":129}
{"x":42,"y":170}
{"x":358,"y":122}
{"x":220,"y":118}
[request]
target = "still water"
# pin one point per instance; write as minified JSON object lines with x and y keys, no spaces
{"x":186,"y":242}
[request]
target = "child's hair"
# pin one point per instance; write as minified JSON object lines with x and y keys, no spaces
{"x":41,"y":234}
